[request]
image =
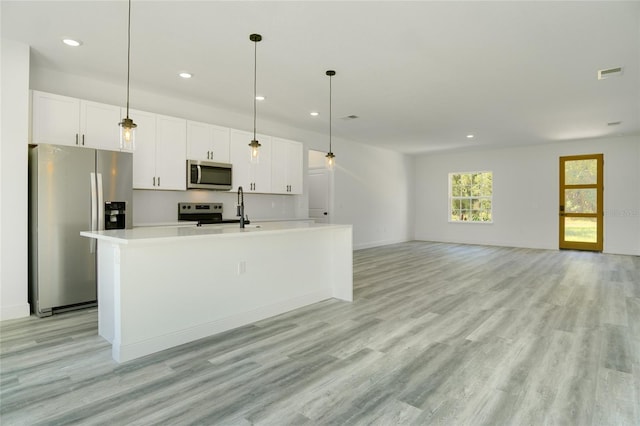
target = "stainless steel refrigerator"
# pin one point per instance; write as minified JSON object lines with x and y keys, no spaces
{"x":71,"y":190}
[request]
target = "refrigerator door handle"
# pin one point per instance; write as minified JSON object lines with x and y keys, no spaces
{"x":94,"y":211}
{"x":100,"y":202}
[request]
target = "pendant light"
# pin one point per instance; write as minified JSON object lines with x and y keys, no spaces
{"x":254,"y":146}
{"x":127,"y":126}
{"x":331,"y":159}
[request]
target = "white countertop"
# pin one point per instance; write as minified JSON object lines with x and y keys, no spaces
{"x":174,"y":233}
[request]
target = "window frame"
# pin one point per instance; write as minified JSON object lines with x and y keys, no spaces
{"x":451,"y":198}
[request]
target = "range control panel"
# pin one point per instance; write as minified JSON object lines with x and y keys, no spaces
{"x":199,"y":208}
{"x":205,"y":212}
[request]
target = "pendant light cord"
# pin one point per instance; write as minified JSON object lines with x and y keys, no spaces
{"x":330,"y":114}
{"x":128,"y":56}
{"x":255,"y":79}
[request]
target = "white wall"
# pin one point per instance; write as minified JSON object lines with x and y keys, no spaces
{"x":525,"y":197}
{"x":373,"y":189}
{"x":14,"y":113}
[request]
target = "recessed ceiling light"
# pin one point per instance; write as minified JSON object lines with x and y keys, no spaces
{"x":185,"y":75}
{"x":314,"y":113}
{"x":71,"y":42}
{"x":470,"y":136}
{"x":259,"y":98}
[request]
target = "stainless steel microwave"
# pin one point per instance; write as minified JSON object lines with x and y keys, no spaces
{"x":208,"y":175}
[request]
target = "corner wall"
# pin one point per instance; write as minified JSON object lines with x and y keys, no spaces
{"x":525,"y":197}
{"x":14,"y":113}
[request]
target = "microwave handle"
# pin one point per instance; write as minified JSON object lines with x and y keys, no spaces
{"x":199,"y":173}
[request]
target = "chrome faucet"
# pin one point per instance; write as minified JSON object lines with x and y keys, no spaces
{"x":240,"y":206}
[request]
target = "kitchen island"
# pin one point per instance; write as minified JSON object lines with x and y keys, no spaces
{"x":159,"y":287}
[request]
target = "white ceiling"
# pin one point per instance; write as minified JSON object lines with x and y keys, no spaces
{"x":419,"y":75}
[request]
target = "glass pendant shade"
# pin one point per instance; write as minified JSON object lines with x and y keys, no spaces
{"x":254,"y":151}
{"x":330,"y":161}
{"x":128,"y":134}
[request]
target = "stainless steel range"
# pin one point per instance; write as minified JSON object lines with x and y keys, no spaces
{"x":203,"y":213}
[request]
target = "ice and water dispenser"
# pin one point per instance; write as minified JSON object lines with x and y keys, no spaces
{"x":115,"y":215}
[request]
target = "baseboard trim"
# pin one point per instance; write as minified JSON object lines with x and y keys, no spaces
{"x":378,"y":244}
{"x":15,"y":311}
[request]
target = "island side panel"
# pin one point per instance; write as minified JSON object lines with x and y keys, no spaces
{"x":108,"y":277}
{"x":342,"y":263}
{"x":175,"y":292}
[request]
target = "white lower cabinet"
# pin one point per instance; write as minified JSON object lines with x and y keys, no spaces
{"x":286,"y":166}
{"x":252,"y":177}
{"x":159,"y":159}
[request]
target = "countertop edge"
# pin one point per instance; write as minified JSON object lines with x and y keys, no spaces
{"x":233,"y":233}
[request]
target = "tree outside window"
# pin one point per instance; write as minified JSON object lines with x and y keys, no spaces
{"x":470,"y":197}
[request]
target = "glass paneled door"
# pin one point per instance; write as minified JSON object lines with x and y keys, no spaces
{"x":581,"y":202}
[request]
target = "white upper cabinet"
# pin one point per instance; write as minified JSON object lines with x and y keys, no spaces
{"x":55,"y":119}
{"x":286,"y":166}
{"x":171,"y":153}
{"x":99,"y":125}
{"x":207,"y":142}
{"x":164,"y":143}
{"x":63,"y":120}
{"x":159,"y":159}
{"x":144,"y":155}
{"x":252,"y":177}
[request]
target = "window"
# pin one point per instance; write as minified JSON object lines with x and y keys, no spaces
{"x":470,"y":197}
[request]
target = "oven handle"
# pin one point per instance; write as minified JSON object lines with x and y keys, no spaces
{"x":199,"y":174}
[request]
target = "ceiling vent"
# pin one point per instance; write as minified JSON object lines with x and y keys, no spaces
{"x":349,"y":117}
{"x":610,"y":72}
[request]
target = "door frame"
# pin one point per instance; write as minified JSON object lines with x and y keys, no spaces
{"x":599,"y":214}
{"x":315,"y":167}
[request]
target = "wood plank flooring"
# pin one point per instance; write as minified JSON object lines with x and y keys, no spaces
{"x":437,"y":334}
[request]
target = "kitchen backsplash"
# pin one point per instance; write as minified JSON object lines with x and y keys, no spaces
{"x":156,"y":207}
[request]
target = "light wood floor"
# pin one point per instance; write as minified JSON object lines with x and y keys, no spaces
{"x":437,"y":334}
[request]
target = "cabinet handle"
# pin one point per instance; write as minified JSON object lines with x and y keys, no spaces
{"x":82,"y":140}
{"x":158,"y":180}
{"x":154,"y":181}
{"x":208,"y":157}
{"x":76,"y":139}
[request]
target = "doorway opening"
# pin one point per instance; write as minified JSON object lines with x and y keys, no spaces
{"x":581,"y":202}
{"x":320,"y":188}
